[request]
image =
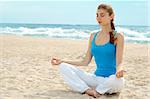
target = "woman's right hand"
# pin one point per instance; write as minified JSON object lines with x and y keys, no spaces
{"x":56,"y":61}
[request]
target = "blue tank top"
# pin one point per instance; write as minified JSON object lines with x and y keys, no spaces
{"x":105,"y":58}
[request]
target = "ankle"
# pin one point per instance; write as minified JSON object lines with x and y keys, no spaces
{"x":87,"y":90}
{"x":97,"y":94}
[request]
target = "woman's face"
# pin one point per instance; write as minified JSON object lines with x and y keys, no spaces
{"x":102,"y":17}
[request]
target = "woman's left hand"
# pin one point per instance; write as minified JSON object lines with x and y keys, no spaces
{"x":120,"y":73}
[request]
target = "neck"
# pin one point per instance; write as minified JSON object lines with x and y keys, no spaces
{"x":106,"y":29}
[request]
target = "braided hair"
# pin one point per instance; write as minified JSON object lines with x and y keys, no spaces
{"x":112,"y":33}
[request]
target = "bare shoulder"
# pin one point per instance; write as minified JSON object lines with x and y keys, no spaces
{"x":91,"y":36}
{"x":120,"y":36}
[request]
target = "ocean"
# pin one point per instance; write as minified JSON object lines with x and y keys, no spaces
{"x":136,"y":34}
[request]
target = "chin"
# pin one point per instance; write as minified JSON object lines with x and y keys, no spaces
{"x":101,"y":24}
{"x":104,"y":24}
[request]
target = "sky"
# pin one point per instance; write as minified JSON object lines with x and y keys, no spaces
{"x":127,"y":12}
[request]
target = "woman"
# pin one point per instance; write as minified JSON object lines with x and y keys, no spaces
{"x":106,"y":46}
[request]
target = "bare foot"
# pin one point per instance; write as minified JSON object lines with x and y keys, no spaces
{"x":92,"y":92}
{"x":96,"y":94}
{"x":89,"y":92}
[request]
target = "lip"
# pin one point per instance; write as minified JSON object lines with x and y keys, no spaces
{"x":99,"y":22}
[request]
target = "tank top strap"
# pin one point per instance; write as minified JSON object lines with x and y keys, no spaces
{"x":95,"y":36}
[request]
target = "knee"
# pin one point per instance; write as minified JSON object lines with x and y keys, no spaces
{"x":62,"y":67}
{"x":117,"y":85}
{"x":115,"y":82}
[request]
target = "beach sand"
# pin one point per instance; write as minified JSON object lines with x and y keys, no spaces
{"x":26,"y":72}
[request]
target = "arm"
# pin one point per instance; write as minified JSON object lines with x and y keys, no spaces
{"x":87,"y":59}
{"x":119,"y":51}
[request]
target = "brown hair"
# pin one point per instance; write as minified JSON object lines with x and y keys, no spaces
{"x":109,"y":9}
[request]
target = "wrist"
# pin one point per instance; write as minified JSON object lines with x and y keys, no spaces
{"x":119,"y":68}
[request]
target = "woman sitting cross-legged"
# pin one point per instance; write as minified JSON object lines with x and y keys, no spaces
{"x":106,"y":46}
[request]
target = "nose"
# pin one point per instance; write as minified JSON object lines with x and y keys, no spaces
{"x":98,"y":17}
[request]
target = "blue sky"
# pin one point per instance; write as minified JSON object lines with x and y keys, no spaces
{"x":127,"y":12}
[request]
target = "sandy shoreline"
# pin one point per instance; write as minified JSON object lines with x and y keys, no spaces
{"x":26,"y":73}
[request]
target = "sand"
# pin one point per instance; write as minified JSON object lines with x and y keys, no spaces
{"x":26,"y":72}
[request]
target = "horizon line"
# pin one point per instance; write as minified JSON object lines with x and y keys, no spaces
{"x":69,"y":24}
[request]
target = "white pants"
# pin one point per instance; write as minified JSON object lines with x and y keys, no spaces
{"x":80,"y":81}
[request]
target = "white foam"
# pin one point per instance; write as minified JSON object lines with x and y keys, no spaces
{"x":73,"y":33}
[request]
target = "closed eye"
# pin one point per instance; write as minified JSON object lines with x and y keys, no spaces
{"x":96,"y":14}
{"x":102,"y":14}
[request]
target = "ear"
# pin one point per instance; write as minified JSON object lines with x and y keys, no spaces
{"x":112,"y":16}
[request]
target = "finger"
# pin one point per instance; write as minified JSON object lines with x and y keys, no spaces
{"x":123,"y":71}
{"x":54,"y":59}
{"x":52,"y":62}
{"x":121,"y":74}
{"x":117,"y":76}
